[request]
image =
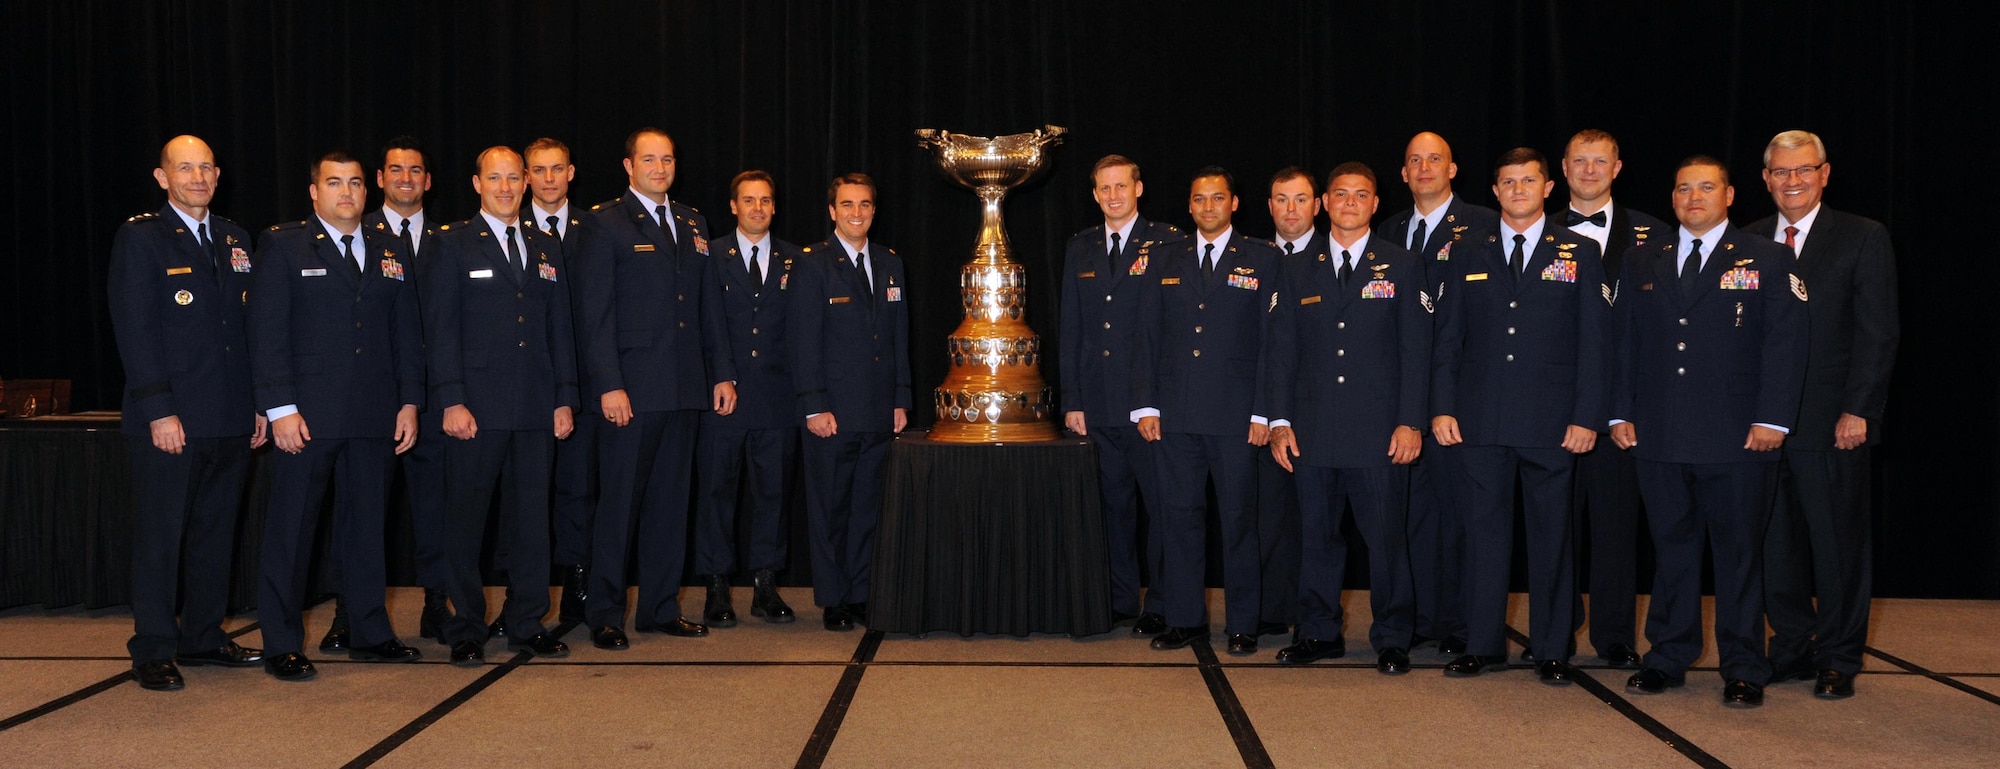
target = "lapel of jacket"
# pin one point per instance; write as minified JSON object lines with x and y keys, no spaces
{"x":1666,"y":273}
{"x":327,"y":248}
{"x":641,"y":215}
{"x":1540,"y":255}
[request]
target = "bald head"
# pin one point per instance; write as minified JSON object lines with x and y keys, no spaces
{"x":1428,"y":170}
{"x":185,"y":146}
{"x":187,"y":172}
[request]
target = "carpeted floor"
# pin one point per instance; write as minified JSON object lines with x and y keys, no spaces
{"x":762,"y":695}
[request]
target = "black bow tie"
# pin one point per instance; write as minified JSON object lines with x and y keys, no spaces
{"x":1576,"y":219}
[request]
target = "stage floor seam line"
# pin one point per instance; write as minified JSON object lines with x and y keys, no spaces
{"x":813,"y":755}
{"x":1938,"y":677}
{"x":1241,"y":731}
{"x":1638,"y":716}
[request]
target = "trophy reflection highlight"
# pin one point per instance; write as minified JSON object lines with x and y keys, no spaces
{"x":995,"y":390}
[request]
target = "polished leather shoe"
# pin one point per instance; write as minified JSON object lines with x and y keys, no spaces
{"x":609,"y":638}
{"x":1451,"y":645}
{"x":1555,"y":672}
{"x":290,"y":667}
{"x":1651,"y":681}
{"x":1149,"y":623}
{"x":1312,"y":650}
{"x":680,"y":627}
{"x":337,"y":638}
{"x":1273,"y":628}
{"x":541,"y":646}
{"x":1393,"y":662}
{"x":836,"y":618}
{"x":1833,"y":685}
{"x":1801,"y":670}
{"x":859,"y":611}
{"x":573,"y":593}
{"x":228,"y":655}
{"x":1240,"y":644}
{"x":430,"y":622}
{"x":497,"y":628}
{"x":1178,"y":637}
{"x":765,"y":601}
{"x":386,"y":651}
{"x":1621,"y":656}
{"x":468,"y":654}
{"x":717,"y":611}
{"x":159,"y":676}
{"x":1742,"y":694}
{"x":1469,"y":665}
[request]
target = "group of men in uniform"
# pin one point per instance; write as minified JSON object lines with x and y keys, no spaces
{"x":528,"y":359}
{"x":1456,"y":369}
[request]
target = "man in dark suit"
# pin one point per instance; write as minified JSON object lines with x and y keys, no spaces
{"x":1349,"y":363}
{"x":503,"y":377}
{"x":336,"y":355}
{"x":178,"y":279}
{"x":1711,"y":358}
{"x":1199,"y":388}
{"x":848,"y":328}
{"x":641,"y":279}
{"x":753,"y":270}
{"x":1113,"y":261}
{"x":1294,"y":205}
{"x":1438,"y":223}
{"x":574,"y":494}
{"x":1519,"y":379}
{"x":1817,"y":571}
{"x":1607,"y":478}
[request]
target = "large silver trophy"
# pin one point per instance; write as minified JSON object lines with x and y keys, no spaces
{"x":995,"y":391}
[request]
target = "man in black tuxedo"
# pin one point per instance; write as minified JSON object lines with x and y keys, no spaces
{"x":756,"y":443}
{"x":1818,"y":560}
{"x":641,"y":279}
{"x":1113,"y":261}
{"x":178,"y":282}
{"x":336,"y":357}
{"x":1437,"y":223}
{"x":574,"y":493}
{"x":1522,"y":331}
{"x":1607,"y":479}
{"x":1294,"y":205}
{"x":1349,"y":362}
{"x":1711,"y":358}
{"x":848,"y":326}
{"x":1200,"y":388}
{"x":502,"y":365}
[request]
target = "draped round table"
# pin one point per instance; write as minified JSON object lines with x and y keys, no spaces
{"x":1001,"y":538}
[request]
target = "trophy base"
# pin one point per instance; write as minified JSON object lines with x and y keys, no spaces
{"x":1018,"y":432}
{"x":987,"y":416}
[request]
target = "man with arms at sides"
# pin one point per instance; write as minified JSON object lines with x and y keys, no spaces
{"x":1711,"y":358}
{"x":178,"y":279}
{"x":644,"y":354}
{"x":1104,"y":270}
{"x":1519,"y":379}
{"x":337,"y":360}
{"x":757,"y":442}
{"x":1817,"y":571}
{"x":503,"y":375}
{"x":1349,"y":363}
{"x":574,"y":494}
{"x":1439,"y":222}
{"x":848,"y":328}
{"x":1607,"y":478}
{"x":1200,"y":390}
{"x":1294,"y":206}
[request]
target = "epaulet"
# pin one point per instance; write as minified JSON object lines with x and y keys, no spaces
{"x":286,"y":226}
{"x":605,"y":204}
{"x":692,"y":208}
{"x":145,"y":216}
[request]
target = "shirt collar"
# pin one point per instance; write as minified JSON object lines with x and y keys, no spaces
{"x":1533,"y":234}
{"x":395,"y":220}
{"x":193,"y":224}
{"x":1220,"y":240}
{"x":499,"y":227}
{"x":1805,"y":223}
{"x":1124,"y":233}
{"x":561,"y":214}
{"x":1299,"y":246}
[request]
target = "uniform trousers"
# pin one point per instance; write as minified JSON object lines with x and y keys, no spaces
{"x":1725,"y":506}
{"x":1127,"y":477}
{"x":183,"y":532}
{"x":1819,"y":560}
{"x":642,"y":514}
{"x":358,"y":469}
{"x":1187,"y":462}
{"x":723,"y":453}
{"x":516,"y":464}
{"x":845,"y":475}
{"x":1379,"y":500}
{"x":1488,"y":477}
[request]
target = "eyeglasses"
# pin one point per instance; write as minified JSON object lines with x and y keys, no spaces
{"x":1802,"y":172}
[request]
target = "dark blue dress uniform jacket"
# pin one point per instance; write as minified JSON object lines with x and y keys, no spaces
{"x":752,"y":317}
{"x":638,"y":308}
{"x":1201,"y":339}
{"x":189,"y":358}
{"x":1100,"y":318}
{"x":849,"y":351}
{"x":499,"y":340}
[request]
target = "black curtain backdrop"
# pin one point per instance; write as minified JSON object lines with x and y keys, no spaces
{"x":1903,"y":94}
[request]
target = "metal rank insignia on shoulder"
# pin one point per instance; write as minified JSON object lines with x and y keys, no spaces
{"x":148,"y":215}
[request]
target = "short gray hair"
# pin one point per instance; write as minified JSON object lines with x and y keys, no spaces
{"x":1792,"y":140}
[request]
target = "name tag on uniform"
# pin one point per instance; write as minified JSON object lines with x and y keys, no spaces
{"x":839,"y":299}
{"x":316,"y":272}
{"x":1091,"y":274}
{"x":179,"y":270}
{"x":1475,"y":276}
{"x":1309,"y":300}
{"x":642,"y":247}
{"x":479,"y":274}
{"x":1170,"y":281}
{"x":1645,"y":287}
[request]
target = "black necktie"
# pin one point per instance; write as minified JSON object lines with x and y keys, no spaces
{"x":662,"y":212}
{"x":756,"y":268}
{"x":1576,"y":218}
{"x":1208,"y":261}
{"x":1346,"y":266}
{"x":1691,"y":267}
{"x":347,"y":251}
{"x":551,"y":229}
{"x":861,"y":271}
{"x":513,"y":254}
{"x":201,"y":234}
{"x":1417,"y":238}
{"x":1288,"y":248}
{"x":1114,"y":245}
{"x":409,"y":246}
{"x":1515,"y":263}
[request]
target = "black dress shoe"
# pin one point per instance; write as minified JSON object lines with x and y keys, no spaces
{"x":430,"y":623}
{"x":1240,"y":644}
{"x":836,"y":618}
{"x":1393,"y":662}
{"x":1470,"y":665}
{"x":1179,"y":637}
{"x":541,"y":646}
{"x":1312,"y":650}
{"x":1833,"y":685}
{"x":610,"y":639}
{"x":679,"y":628}
{"x":765,"y":601}
{"x":386,"y":651}
{"x":1150,"y":623}
{"x":497,"y":628}
{"x":1800,"y":670}
{"x":1651,"y":681}
{"x":290,"y":667}
{"x":1555,"y":672}
{"x":859,"y":611}
{"x":573,"y":593}
{"x":1620,"y":655}
{"x":468,"y":654}
{"x":1419,"y":639}
{"x":159,"y":676}
{"x":1742,"y":694}
{"x":1452,"y":645}
{"x":337,"y":637}
{"x":1273,"y":628}
{"x":229,"y":655}
{"x":717,"y":611}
